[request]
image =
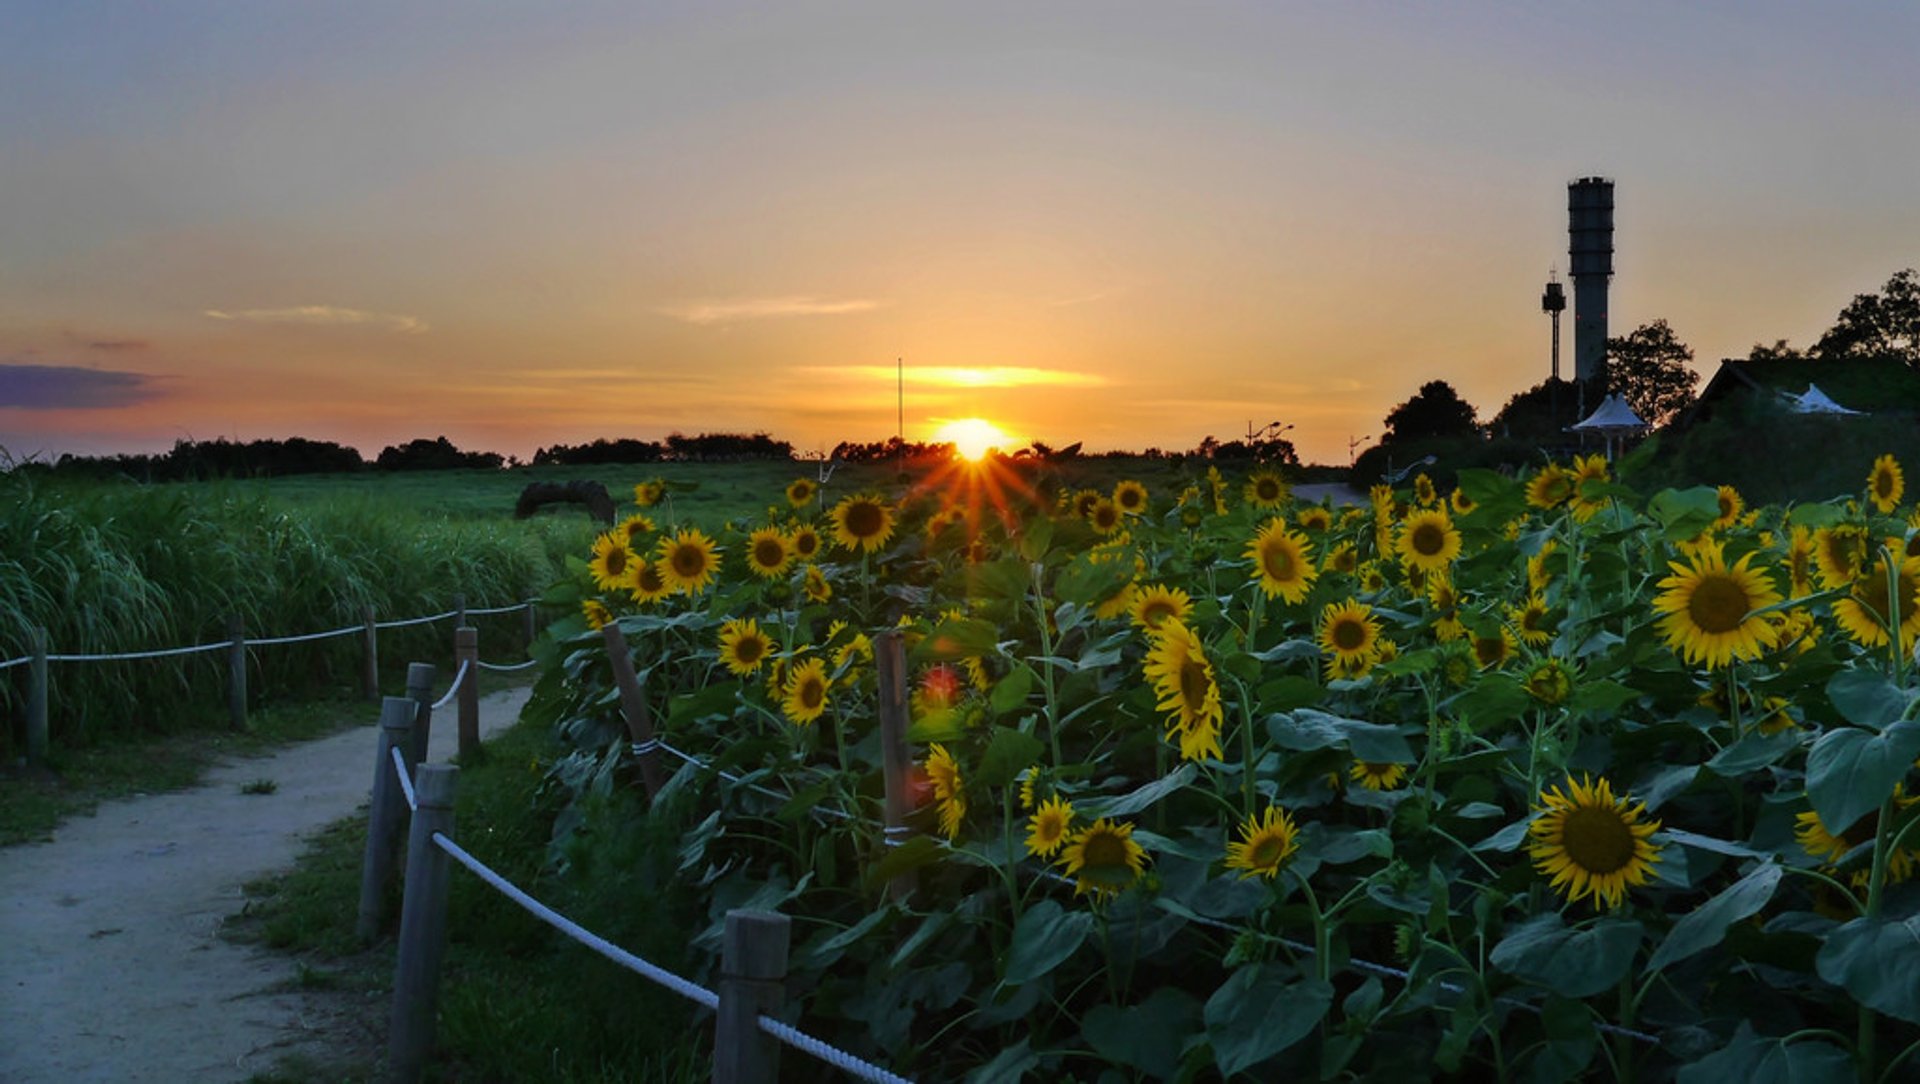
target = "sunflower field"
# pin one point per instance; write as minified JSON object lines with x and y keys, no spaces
{"x":1539,"y":779}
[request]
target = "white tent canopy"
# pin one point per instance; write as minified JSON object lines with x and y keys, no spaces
{"x":1614,"y":416}
{"x":1815,"y":401}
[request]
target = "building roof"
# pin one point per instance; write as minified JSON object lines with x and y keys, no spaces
{"x":1614,"y":414}
{"x":1871,"y":385}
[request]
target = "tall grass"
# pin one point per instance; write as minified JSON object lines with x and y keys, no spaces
{"x":110,"y":568}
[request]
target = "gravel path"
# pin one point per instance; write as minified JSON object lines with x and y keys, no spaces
{"x":111,"y":963}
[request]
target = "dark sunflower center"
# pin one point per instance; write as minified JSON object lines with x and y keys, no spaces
{"x":688,"y":561}
{"x":864,"y":519}
{"x":813,"y":693}
{"x":1429,"y":539}
{"x":748,"y":649}
{"x":1265,"y":852}
{"x":1267,"y":489}
{"x":1155,"y":612}
{"x":616,"y":562}
{"x":1718,"y":603}
{"x":650,"y":579}
{"x":1727,"y":508}
{"x":1597,"y":839}
{"x":1489,"y":649}
{"x":1104,"y":849}
{"x":768,"y":552}
{"x":1883,"y":485}
{"x":803,"y":544}
{"x":1104,"y":515}
{"x":1194,"y":684}
{"x":1129,"y":498}
{"x":1278,"y":561}
{"x":1349,"y":634}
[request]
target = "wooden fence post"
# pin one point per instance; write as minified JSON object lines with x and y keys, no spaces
{"x":420,"y":677}
{"x":237,"y":671}
{"x":37,"y":697}
{"x":423,"y":926}
{"x":386,"y":812}
{"x":459,"y":610}
{"x":633,"y":706}
{"x":896,"y":759}
{"x":531,"y":620}
{"x":370,"y":681}
{"x":466,"y":649}
{"x":753,"y":980}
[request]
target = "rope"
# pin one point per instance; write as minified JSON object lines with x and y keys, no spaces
{"x":503,"y":668}
{"x":515,"y":608}
{"x":639,"y":749}
{"x":453,"y":688}
{"x":565,"y":925}
{"x":414,"y":621}
{"x":163,"y":653}
{"x":833,"y":1056}
{"x":15,"y":662}
{"x":308,"y":636}
{"x":406,"y":784}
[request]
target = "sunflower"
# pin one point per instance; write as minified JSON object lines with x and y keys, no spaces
{"x":1550,"y":488}
{"x":633,"y":527}
{"x":1821,"y":842}
{"x":1282,"y":561}
{"x":1341,"y":558}
{"x":612,"y":563}
{"x":1492,"y":652}
{"x":1462,"y":504}
{"x":649,"y":493}
{"x":1130,"y":497}
{"x":1428,"y":541}
{"x":1731,"y":505}
{"x":801,"y":491}
{"x":1587,"y":469}
{"x":1265,"y":844}
{"x":1866,"y":615}
{"x":1047,"y":828}
{"x":1104,"y":516}
{"x":1800,"y":563}
{"x":1838,"y":553}
{"x":743,"y":647}
{"x":805,"y":542}
{"x":688,"y":561}
{"x":1348,"y":633}
{"x":863,"y":522}
{"x":1155,"y":603}
{"x":1709,"y":605}
{"x":596,"y":613}
{"x":1885,"y":484}
{"x":855,"y":651}
{"x":1531,"y":621}
{"x":649,"y":581}
{"x":816,"y":586}
{"x":1424,"y":494}
{"x":944,"y":773}
{"x":1082,"y":502}
{"x":767,"y":553}
{"x":1266,"y":489}
{"x":1313,"y":517}
{"x":1591,"y":843}
{"x":1183,"y":679}
{"x":1376,"y":776}
{"x":1549,"y":682}
{"x":805,"y":696}
{"x":1103,"y":858}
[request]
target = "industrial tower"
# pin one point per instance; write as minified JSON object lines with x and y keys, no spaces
{"x":1590,"y":246}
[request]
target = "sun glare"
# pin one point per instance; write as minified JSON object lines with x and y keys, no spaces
{"x":973,"y":438}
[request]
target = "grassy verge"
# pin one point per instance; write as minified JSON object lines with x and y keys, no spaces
{"x":517,"y":1001}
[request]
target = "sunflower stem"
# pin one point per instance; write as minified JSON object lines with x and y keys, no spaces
{"x":1322,"y":936}
{"x":1042,"y":618}
{"x":1006,"y":870}
{"x":1892,"y":564}
{"x":1622,"y":1042}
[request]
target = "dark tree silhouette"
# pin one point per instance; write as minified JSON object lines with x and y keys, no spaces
{"x":1436,"y":412}
{"x":1882,"y":325}
{"x":1542,"y":412}
{"x":436,"y":454}
{"x":1648,"y":368}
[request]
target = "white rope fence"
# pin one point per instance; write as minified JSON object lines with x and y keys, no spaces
{"x":643,"y":748}
{"x":348,"y":631}
{"x":268,"y":641}
{"x":405,"y":777}
{"x":21,"y":661}
{"x":452,"y":689}
{"x":415,"y":620}
{"x":160,"y":654}
{"x":505,"y":668}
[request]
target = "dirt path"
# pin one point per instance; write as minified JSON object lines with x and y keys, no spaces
{"x":111,"y":965}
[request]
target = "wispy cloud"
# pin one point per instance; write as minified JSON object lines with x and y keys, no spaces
{"x":323,"y":315}
{"x":955,"y":376}
{"x":63,"y":387}
{"x":766,"y":308}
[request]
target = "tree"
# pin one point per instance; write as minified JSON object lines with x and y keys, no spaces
{"x":1542,"y":412}
{"x":1648,"y":368}
{"x":1437,"y":411}
{"x":1882,"y":325}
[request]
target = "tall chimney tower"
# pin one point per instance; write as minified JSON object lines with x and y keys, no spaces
{"x":1590,"y":246}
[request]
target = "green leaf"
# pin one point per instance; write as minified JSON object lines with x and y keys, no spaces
{"x":1495,"y":698}
{"x":1850,"y":771}
{"x":1706,"y":925}
{"x":1753,"y":1059}
{"x":1753,"y":752}
{"x":1137,"y":800}
{"x":1013,"y":1063}
{"x":1307,"y":729}
{"x":1878,"y":962}
{"x":1866,"y":698}
{"x":1290,"y":692}
{"x":958,"y":638}
{"x":1147,"y":1036}
{"x":1006,"y":579}
{"x":1708,"y":843}
{"x":1087,"y":581}
{"x":917,"y":851}
{"x":1815,"y":515}
{"x":1008,"y":754}
{"x":1259,"y":1011}
{"x":1684,"y":513}
{"x":1603,"y":697}
{"x":1506,"y":839}
{"x":1571,"y":961}
{"x":1010,"y":692}
{"x":1043,"y":939}
{"x":1037,"y":537}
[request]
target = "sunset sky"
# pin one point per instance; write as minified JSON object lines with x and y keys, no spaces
{"x":1122,"y":224}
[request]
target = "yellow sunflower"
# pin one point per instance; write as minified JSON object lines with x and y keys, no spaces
{"x":1531,"y":621}
{"x":649,"y":581}
{"x":1800,"y":562}
{"x":863,"y":521}
{"x":1424,"y":494}
{"x":1047,"y":828}
{"x":767,"y":553}
{"x":633,"y":527}
{"x":1823,"y":843}
{"x":816,"y":586}
{"x":1265,"y":844}
{"x":596,"y":613}
{"x":805,"y":697}
{"x":1183,"y":679}
{"x":1348,"y":633}
{"x":1493,"y":652}
{"x":1866,"y":615}
{"x":1549,"y":682}
{"x":1341,"y":558}
{"x":1104,"y":516}
{"x":1282,"y":561}
{"x":1462,"y":504}
{"x":1885,"y":484}
{"x":1550,"y":488}
{"x":1266,"y":489}
{"x":1838,"y":553}
{"x":1082,"y":502}
{"x":688,"y":561}
{"x":743,"y":647}
{"x":1103,"y":858}
{"x":1540,"y":566}
{"x":1591,"y":843}
{"x":612,"y":563}
{"x":801,"y":491}
{"x":1589,"y":470}
{"x":1731,"y":505}
{"x":1709,"y":605}
{"x":649,"y":493}
{"x":1130,"y":497}
{"x":805,"y":542}
{"x":1428,"y":540}
{"x":948,"y":788}
{"x":1314,"y":517}
{"x":1155,"y":603}
{"x":1375,"y":776}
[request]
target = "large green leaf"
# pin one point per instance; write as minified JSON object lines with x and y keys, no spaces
{"x":1684,"y":513}
{"x":1753,"y":752}
{"x":1008,"y":754}
{"x":1261,"y":1010}
{"x":1878,"y":962}
{"x":1133,"y":802}
{"x":1010,"y":692}
{"x":1707,"y":924}
{"x":1043,"y":939}
{"x":1148,"y":1036}
{"x":1866,"y":698}
{"x":1307,"y":729}
{"x":1571,"y":961}
{"x":1013,"y":1063}
{"x":1850,"y":771}
{"x":1756,"y":1059}
{"x":958,"y":638}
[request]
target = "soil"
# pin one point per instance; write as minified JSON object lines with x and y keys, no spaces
{"x":111,"y":962}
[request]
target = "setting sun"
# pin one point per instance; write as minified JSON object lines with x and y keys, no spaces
{"x":973,"y":437}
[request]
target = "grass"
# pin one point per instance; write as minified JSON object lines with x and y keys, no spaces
{"x":517,"y":1001}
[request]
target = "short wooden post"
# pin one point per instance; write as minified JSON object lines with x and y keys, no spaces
{"x":37,"y":697}
{"x":237,"y":671}
{"x":423,"y":926}
{"x":370,"y":680}
{"x":531,"y":625}
{"x":633,"y":707}
{"x":459,"y":610}
{"x":386,"y":812}
{"x":896,"y":758}
{"x":466,"y":649}
{"x":753,"y":981}
{"x":420,"y":677}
